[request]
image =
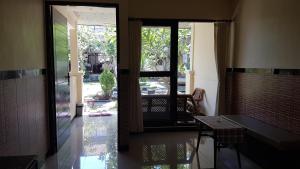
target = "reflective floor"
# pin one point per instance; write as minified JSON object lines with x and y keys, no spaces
{"x":93,"y":145}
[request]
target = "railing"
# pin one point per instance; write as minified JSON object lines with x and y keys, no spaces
{"x":157,"y":107}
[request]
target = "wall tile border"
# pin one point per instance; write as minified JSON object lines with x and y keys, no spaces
{"x":18,"y":74}
{"x":264,"y":71}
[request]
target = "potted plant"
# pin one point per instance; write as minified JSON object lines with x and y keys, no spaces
{"x":107,"y":82}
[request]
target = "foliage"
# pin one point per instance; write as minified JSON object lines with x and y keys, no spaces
{"x":184,"y":46}
{"x":102,"y":40}
{"x":156,"y":48}
{"x":110,"y":42}
{"x":107,"y":82}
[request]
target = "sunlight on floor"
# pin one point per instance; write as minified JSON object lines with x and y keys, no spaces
{"x":91,"y":105}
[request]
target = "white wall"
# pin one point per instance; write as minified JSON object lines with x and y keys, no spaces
{"x":182,"y":9}
{"x":205,"y":72}
{"x":267,"y":34}
{"x":22,"y":35}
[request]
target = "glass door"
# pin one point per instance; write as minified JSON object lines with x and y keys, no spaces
{"x":158,"y":73}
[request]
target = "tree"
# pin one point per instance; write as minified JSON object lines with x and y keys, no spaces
{"x":102,"y":41}
{"x":156,"y":48}
{"x":184,"y":47}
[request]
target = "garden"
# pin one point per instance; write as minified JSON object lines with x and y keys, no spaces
{"x":98,"y":59}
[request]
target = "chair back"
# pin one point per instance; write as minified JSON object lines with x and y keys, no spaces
{"x":198,"y":95}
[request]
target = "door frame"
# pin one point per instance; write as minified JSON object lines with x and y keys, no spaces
{"x":52,"y":136}
{"x":173,"y":73}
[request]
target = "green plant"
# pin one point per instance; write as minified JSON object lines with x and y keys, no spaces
{"x":181,"y":68}
{"x":156,"y":48}
{"x":107,"y":82}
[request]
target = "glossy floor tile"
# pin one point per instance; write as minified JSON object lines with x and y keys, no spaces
{"x":93,"y":145}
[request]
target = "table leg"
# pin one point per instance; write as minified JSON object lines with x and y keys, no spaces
{"x":215,"y":154}
{"x":198,"y":161}
{"x":238,"y":155}
{"x":198,"y":140}
{"x":199,"y":137}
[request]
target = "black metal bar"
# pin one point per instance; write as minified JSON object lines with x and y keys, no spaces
{"x":174,"y":73}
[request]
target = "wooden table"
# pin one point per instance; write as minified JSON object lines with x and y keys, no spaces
{"x":223,"y":131}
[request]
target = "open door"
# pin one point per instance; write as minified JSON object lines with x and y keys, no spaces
{"x":61,"y":75}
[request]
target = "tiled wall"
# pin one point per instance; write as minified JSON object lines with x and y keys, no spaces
{"x":23,"y":117}
{"x":274,"y":99}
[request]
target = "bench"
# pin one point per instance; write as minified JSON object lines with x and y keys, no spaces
{"x":278,"y":138}
{"x":267,"y":145}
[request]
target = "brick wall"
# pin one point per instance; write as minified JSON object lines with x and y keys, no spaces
{"x":274,"y":99}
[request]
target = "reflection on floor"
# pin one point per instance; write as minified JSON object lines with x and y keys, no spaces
{"x":93,"y":145}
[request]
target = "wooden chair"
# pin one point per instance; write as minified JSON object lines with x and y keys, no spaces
{"x":193,"y":103}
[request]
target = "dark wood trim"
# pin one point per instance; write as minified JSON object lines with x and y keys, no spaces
{"x":173,"y":24}
{"x":124,"y":71}
{"x":119,"y":72}
{"x":286,"y":71}
{"x":155,"y":74}
{"x":159,"y":22}
{"x":123,"y":148}
{"x":264,"y":71}
{"x":50,"y":80}
{"x":77,"y":3}
{"x":180,"y":20}
{"x":19,"y":74}
{"x":174,"y":71}
{"x":50,"y":63}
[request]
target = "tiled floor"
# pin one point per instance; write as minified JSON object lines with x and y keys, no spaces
{"x":93,"y":145}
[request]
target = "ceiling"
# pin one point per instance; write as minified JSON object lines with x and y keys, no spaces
{"x":85,"y":15}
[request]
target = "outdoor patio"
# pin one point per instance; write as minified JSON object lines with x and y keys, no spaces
{"x":92,"y":105}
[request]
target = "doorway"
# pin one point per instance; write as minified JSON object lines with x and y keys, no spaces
{"x":177,"y":57}
{"x":83,"y":54}
{"x":158,"y":72}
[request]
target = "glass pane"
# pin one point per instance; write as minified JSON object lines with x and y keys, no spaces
{"x":184,"y":51}
{"x":155,"y":48}
{"x":155,"y":85}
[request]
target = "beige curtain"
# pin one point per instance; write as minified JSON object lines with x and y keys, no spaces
{"x":222,"y":41}
{"x":136,"y":116}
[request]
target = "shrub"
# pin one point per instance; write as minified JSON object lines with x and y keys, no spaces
{"x":107,"y":82}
